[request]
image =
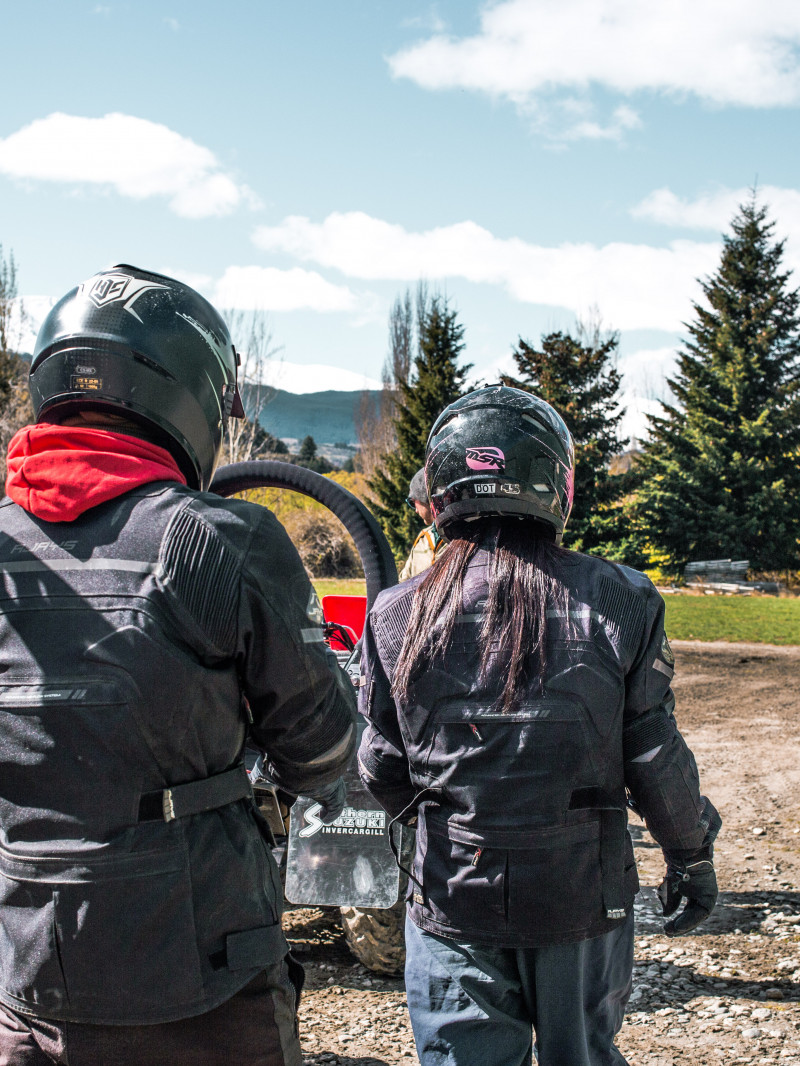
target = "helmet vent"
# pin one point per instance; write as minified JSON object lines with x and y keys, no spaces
{"x":151,"y":364}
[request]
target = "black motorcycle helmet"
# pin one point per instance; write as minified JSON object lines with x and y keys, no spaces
{"x":500,"y":451}
{"x":145,"y":346}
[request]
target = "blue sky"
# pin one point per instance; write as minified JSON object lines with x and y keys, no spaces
{"x":536,"y":160}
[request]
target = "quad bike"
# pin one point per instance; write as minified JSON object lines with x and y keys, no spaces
{"x":349,"y":863}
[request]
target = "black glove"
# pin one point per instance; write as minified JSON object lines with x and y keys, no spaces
{"x":695,"y":881}
{"x":259,"y":775}
{"x":331,"y":799}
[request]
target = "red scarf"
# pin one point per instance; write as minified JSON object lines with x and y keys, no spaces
{"x":58,"y":472}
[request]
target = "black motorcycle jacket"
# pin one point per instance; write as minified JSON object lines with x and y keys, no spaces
{"x":140,"y":645}
{"x":521,"y":829}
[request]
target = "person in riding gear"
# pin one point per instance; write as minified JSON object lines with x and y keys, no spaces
{"x":428,"y":541}
{"x":518,"y":697}
{"x":148,"y":630}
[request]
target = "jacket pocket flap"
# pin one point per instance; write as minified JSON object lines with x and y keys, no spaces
{"x":255,"y":947}
{"x":553,"y":836}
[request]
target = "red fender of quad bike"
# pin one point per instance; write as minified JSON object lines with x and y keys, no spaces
{"x":347,"y":611}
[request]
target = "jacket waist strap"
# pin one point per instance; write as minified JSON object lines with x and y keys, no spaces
{"x":196,"y":797}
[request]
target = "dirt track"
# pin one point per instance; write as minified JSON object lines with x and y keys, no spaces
{"x":730,"y":995}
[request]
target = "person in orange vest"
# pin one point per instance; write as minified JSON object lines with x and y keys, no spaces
{"x":429,"y":541}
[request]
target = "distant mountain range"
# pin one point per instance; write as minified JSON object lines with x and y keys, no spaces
{"x":330,"y":417}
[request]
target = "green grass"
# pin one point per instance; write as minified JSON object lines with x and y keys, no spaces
{"x":758,"y":619}
{"x":331,"y":586}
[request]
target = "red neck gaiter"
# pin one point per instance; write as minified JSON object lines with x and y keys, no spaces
{"x":58,"y":472}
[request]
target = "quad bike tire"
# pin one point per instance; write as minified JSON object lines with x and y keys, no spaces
{"x":376,"y":556}
{"x":375,"y":937}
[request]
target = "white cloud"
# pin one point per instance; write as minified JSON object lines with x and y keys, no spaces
{"x":135,"y":157}
{"x":709,"y":212}
{"x":270,"y":289}
{"x":173,"y":24}
{"x":646,"y":371}
{"x":623,"y":119}
{"x":239,"y":288}
{"x":315,"y":377}
{"x":635,"y":286}
{"x":714,"y":211}
{"x":645,"y":375}
{"x":25,"y":326}
{"x":568,"y":117}
{"x":724,"y":52}
{"x":430,"y":22}
{"x":635,"y":425}
{"x":202,"y":282}
{"x":644,"y":384}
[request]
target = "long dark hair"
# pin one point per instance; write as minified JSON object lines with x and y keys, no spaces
{"x":524,"y":584}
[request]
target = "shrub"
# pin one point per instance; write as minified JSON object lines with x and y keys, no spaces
{"x":326,"y":548}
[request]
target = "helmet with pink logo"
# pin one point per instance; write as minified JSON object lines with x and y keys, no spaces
{"x":500,"y":451}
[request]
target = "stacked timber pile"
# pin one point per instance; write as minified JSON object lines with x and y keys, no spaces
{"x":725,"y":576}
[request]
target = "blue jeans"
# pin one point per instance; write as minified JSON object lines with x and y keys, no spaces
{"x":472,"y":1005}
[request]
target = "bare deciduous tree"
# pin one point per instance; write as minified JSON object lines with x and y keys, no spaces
{"x":397,"y":365}
{"x":252,"y":336}
{"x":14,"y":319}
{"x":15,"y":405}
{"x":375,"y":415}
{"x":374,"y":428}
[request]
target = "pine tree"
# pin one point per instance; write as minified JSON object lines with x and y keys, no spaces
{"x":721,"y":472}
{"x":436,"y":381}
{"x":308,"y":448}
{"x":578,"y":377}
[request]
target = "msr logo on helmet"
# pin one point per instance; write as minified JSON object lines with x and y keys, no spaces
{"x":105,"y":289}
{"x":486,"y":459}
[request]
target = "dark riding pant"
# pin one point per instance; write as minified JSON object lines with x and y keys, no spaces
{"x":256,"y":1027}
{"x":472,"y":1005}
